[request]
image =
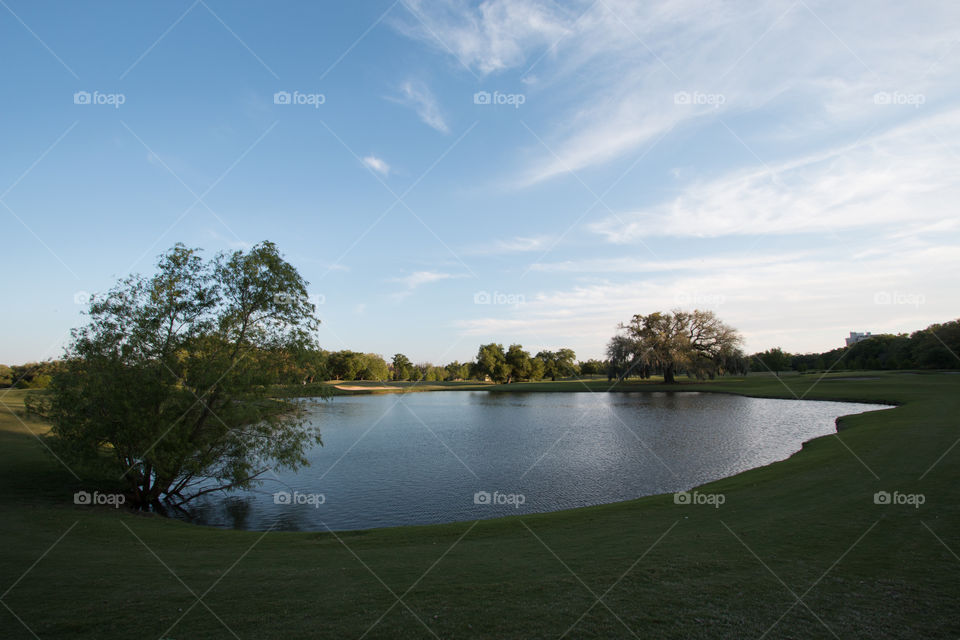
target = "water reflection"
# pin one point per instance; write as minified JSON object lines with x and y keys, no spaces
{"x":423,"y":458}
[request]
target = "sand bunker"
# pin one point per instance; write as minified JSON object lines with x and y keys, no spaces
{"x":345,"y":387}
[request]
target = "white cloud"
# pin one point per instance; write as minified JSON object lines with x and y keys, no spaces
{"x":521,"y":244}
{"x":489,"y":37}
{"x":377,"y":164}
{"x":632,"y":264}
{"x":803,"y":303}
{"x":768,"y":112}
{"x":516,"y":244}
{"x":417,"y":95}
{"x":611,"y":70}
{"x":417,"y":279}
{"x":905,"y":175}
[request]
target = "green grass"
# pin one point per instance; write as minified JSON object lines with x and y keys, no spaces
{"x":806,"y":526}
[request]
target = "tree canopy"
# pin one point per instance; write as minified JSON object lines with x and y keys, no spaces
{"x":165,"y":387}
{"x":562,"y":363}
{"x":696,"y":342}
{"x":774,"y":360}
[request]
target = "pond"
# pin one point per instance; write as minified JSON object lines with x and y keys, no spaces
{"x":425,"y":458}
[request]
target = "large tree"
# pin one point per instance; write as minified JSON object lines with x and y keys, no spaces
{"x":457,"y":371}
{"x":373,"y":367}
{"x":775,"y":360}
{"x":401,"y":367}
{"x":166,"y":387}
{"x":696,"y":342}
{"x":561,"y":363}
{"x":492,"y":361}
{"x":591,"y":367}
{"x":521,"y":364}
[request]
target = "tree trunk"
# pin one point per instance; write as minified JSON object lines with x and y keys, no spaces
{"x":668,"y":375}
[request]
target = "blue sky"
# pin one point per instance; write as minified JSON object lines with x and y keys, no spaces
{"x":452,"y":173}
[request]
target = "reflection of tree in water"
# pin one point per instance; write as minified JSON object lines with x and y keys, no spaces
{"x":242,"y":513}
{"x":210,"y":510}
{"x":238,"y":511}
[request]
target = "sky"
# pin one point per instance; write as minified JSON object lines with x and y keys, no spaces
{"x":447,"y":174}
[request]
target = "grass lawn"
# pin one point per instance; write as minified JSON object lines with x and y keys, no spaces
{"x":798,"y":549}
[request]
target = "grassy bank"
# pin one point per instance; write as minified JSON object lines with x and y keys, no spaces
{"x":798,"y":548}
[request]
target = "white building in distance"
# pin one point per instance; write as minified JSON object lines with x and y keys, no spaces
{"x":856,"y":337}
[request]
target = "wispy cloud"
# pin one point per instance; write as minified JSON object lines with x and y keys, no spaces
{"x":634,"y":265}
{"x":829,"y":295}
{"x":417,"y":95}
{"x":905,"y":175}
{"x":517,"y":244}
{"x":416,"y":279}
{"x":621,"y":74}
{"x":377,"y":164}
{"x":520,"y":244}
{"x":490,"y":37}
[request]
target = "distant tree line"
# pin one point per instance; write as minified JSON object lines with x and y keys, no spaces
{"x":492,"y":363}
{"x":936,"y":347}
{"x":32,"y":375}
{"x":695,"y":343}
{"x":305,"y":365}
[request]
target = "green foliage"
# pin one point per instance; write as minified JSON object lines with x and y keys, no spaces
{"x":457,"y":371}
{"x":936,"y":347}
{"x":562,"y":363}
{"x":696,"y":342}
{"x":520,"y":364}
{"x":166,"y":385}
{"x":351,"y":365}
{"x":516,"y":364}
{"x":492,"y":362}
{"x":401,"y":367}
{"x":373,"y":367}
{"x":592,"y":367}
{"x":32,"y":375}
{"x":775,"y":360}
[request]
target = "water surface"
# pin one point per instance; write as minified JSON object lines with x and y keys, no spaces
{"x":423,"y":458}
